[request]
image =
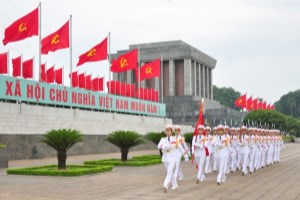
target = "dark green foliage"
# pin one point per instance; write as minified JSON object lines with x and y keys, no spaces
{"x":289,"y":104}
{"x":155,"y":138}
{"x":125,"y":140}
{"x":189,"y":138}
{"x":62,"y":140}
{"x":268,"y":117}
{"x":51,"y":170}
{"x":226,"y":96}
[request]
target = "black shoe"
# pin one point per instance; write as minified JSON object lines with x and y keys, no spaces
{"x":219,"y":183}
{"x":243,"y":174}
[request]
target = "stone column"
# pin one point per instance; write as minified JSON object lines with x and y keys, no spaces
{"x":211,"y":84}
{"x":203,"y":81}
{"x":200,"y":79}
{"x":195,"y":78}
{"x":129,"y":77}
{"x":143,"y":83}
{"x":171,"y":78}
{"x":187,"y":77}
{"x":207,"y":82}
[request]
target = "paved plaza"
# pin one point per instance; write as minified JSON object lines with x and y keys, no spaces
{"x":280,"y":181}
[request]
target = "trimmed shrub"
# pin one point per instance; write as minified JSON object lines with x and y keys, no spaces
{"x":70,"y":170}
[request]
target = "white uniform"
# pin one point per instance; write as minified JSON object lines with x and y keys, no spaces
{"x":223,"y":150}
{"x":210,"y":150}
{"x":246,"y":151}
{"x":233,"y":153}
{"x":216,"y":155}
{"x":168,"y":147}
{"x":198,"y":147}
{"x":179,"y":140}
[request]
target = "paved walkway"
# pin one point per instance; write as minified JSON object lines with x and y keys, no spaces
{"x":280,"y":181}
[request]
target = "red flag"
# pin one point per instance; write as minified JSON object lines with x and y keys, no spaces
{"x":249,"y":104}
{"x":50,"y":75}
{"x":268,"y":107}
{"x":254,"y":104}
{"x":272,"y":107}
{"x":125,"y":62}
{"x":241,"y":101}
{"x":81,"y":80}
{"x":260,"y":105}
{"x":26,"y":26}
{"x":88,"y":82}
{"x":264,"y":106}
{"x":57,"y":40}
{"x":95,"y":84}
{"x":149,"y":70}
{"x":3,"y":63}
{"x":100,"y":84}
{"x":74,"y":76}
{"x":111,"y":86}
{"x":118,"y":87}
{"x":97,"y":53}
{"x":28,"y":68}
{"x":43,"y":73}
{"x":130,"y":90}
{"x":59,"y":76}
{"x":200,"y":118}
{"x":16,"y":65}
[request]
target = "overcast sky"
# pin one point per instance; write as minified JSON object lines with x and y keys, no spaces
{"x":256,"y":42}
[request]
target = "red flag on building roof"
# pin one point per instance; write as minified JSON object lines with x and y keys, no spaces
{"x":254,"y":104}
{"x":81,"y":82}
{"x":59,"y":76}
{"x":16,"y":65}
{"x":26,"y":26}
{"x":3,"y":63}
{"x":43,"y":73}
{"x":97,"y":53}
{"x":50,"y":75}
{"x":249,"y":104}
{"x":57,"y":40}
{"x":28,"y":68}
{"x":125,"y":62}
{"x":74,"y":76}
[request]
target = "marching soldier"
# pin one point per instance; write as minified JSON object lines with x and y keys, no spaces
{"x":210,"y":150}
{"x":200,"y":151}
{"x":168,"y":146}
{"x":179,"y":140}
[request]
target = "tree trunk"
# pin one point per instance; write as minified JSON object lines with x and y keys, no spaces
{"x":61,"y":157}
{"x":124,"y":154}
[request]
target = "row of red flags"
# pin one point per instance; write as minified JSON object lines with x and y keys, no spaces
{"x":87,"y":82}
{"x":128,"y":90}
{"x":252,"y":104}
{"x":28,"y":25}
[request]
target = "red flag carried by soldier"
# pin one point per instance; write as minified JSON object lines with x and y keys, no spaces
{"x":125,"y":62}
{"x":149,"y":70}
{"x":57,"y":40}
{"x":97,"y":53}
{"x":26,"y":26}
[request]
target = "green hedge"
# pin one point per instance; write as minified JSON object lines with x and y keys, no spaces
{"x":138,"y":161}
{"x":51,"y":170}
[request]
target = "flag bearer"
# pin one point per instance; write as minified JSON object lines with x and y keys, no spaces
{"x":200,"y":151}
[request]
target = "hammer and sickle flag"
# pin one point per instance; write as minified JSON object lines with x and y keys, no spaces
{"x":57,"y":40}
{"x":149,"y":70}
{"x":125,"y":62}
{"x":25,"y":27}
{"x":96,"y":53}
{"x":241,"y":101}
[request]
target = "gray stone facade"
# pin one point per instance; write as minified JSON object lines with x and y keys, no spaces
{"x":180,"y":64}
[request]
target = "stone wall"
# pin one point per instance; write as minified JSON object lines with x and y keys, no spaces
{"x":22,"y":126}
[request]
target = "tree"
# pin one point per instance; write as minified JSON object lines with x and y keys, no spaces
{"x":125,"y":140}
{"x":226,"y":96}
{"x":62,"y":140}
{"x":289,"y":104}
{"x":155,"y":138}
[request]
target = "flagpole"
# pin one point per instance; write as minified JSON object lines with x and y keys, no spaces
{"x":8,"y":62}
{"x":40,"y":40}
{"x":33,"y":74}
{"x":139,"y":78}
{"x":71,"y":50}
{"x":21,"y":66}
{"x":162,"y":79}
{"x":109,"y":63}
